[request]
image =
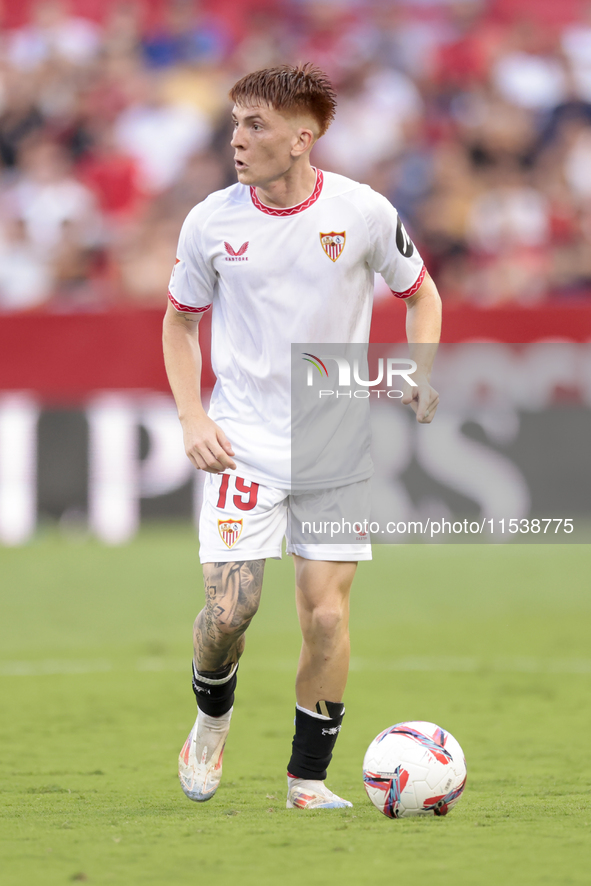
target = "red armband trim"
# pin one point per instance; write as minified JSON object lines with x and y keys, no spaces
{"x":185,"y":309}
{"x":416,"y":285}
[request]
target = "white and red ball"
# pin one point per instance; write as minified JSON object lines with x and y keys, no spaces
{"x":414,"y":768}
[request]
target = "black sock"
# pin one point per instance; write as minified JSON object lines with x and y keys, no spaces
{"x":314,"y":740}
{"x":214,"y":690}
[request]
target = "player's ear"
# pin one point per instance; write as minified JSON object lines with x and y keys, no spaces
{"x":302,"y":142}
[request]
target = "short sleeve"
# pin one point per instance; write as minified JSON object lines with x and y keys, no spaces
{"x":393,"y":253}
{"x":193,"y":279}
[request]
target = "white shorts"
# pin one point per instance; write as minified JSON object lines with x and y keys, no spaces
{"x":242,"y":520}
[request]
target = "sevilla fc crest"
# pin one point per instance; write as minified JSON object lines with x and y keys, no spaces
{"x":230,"y":531}
{"x":333,"y":243}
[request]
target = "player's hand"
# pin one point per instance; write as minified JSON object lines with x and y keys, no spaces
{"x":207,"y":446}
{"x":423,"y":400}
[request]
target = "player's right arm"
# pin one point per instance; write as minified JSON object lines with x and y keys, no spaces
{"x":397,"y":259}
{"x":205,"y":443}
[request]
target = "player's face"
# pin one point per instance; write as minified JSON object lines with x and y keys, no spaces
{"x":266,"y":143}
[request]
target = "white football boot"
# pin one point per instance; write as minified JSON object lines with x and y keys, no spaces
{"x":200,"y":761}
{"x":305,"y":793}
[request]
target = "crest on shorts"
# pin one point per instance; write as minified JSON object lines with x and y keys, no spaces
{"x":230,"y":531}
{"x":333,"y":243}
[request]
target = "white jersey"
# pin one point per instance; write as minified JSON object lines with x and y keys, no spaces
{"x":277,"y":276}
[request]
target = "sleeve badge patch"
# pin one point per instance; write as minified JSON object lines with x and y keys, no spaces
{"x":230,"y":531}
{"x":333,"y":243}
{"x":403,"y":241}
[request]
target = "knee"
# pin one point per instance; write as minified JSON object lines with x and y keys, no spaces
{"x":232,"y":623}
{"x":327,"y":621}
{"x":220,"y":622}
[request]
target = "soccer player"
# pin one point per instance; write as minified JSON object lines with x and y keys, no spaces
{"x":287,"y":254}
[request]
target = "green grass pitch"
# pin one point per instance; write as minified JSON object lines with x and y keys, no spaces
{"x":490,"y":642}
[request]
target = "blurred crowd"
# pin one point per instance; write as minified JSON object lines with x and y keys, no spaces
{"x":475,"y":121}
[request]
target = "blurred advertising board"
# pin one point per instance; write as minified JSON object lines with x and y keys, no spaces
{"x":506,"y":457}
{"x":89,"y":436}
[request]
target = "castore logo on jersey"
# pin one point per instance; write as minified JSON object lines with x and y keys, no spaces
{"x":236,"y":256}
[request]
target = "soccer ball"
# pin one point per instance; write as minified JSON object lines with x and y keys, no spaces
{"x":414,"y":768}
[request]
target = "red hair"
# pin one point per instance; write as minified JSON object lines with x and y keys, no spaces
{"x":290,"y":88}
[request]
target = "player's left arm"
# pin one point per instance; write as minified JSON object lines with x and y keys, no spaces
{"x":423,"y":331}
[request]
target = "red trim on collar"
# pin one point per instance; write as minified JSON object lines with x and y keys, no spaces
{"x":415,"y":286}
{"x":185,"y":309}
{"x":292,"y":210}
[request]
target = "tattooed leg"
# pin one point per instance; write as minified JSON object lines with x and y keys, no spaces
{"x":232,"y":596}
